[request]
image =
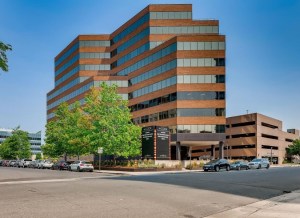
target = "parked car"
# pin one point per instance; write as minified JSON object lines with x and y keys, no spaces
{"x":259,"y":163}
{"x":16,"y":164}
{"x":81,"y":165}
{"x":40,"y":164}
{"x":31,"y":164}
{"x":61,"y":165}
{"x":24,"y":163}
{"x":239,"y":165}
{"x":216,"y":165}
{"x":36,"y":163}
{"x":5,"y":163}
{"x":46,"y":165}
{"x":11,"y":163}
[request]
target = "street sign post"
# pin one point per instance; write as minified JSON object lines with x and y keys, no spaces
{"x":100,"y":151}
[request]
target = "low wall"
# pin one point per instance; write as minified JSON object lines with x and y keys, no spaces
{"x":173,"y":163}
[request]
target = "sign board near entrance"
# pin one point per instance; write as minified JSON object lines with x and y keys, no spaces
{"x":148,"y":142}
{"x":162,"y":143}
{"x":156,"y":143}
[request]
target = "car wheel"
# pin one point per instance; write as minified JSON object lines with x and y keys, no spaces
{"x":91,"y":171}
{"x":247,"y":168}
{"x":259,"y":166}
{"x":238,"y":168}
{"x":78,"y":169}
{"x":227,"y":168}
{"x":268,"y":166}
{"x":205,"y":170}
{"x":217,"y":168}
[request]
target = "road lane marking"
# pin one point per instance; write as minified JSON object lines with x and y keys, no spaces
{"x":46,"y":181}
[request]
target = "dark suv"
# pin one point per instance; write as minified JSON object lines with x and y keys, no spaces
{"x":61,"y":165}
{"x":216,"y":165}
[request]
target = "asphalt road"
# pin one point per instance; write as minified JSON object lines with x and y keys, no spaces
{"x":44,"y":193}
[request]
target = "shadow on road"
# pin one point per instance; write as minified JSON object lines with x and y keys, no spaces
{"x":259,"y":184}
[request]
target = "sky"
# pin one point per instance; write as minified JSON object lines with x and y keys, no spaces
{"x":262,"y":51}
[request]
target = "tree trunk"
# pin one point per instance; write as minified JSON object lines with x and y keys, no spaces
{"x":78,"y":156}
{"x":114,"y":157}
{"x":66,"y":157}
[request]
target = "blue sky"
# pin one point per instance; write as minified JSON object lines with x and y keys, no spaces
{"x":263,"y":44}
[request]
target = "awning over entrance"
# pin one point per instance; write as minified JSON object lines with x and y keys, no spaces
{"x":185,"y":142}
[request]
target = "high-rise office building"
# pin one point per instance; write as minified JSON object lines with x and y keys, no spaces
{"x":170,"y":67}
{"x":35,"y":139}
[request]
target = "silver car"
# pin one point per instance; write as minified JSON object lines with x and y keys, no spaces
{"x":47,"y":164}
{"x":81,"y":165}
{"x":24,"y":163}
{"x":259,"y":163}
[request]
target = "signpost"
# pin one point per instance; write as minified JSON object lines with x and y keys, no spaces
{"x":100,"y":151}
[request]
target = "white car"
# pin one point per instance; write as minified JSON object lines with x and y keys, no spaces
{"x":259,"y":163}
{"x":81,"y":165}
{"x":47,"y":165}
{"x":24,"y":163}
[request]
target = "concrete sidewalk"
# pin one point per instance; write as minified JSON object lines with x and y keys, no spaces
{"x":287,"y":206}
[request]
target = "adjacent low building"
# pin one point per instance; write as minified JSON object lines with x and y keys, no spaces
{"x":35,"y":139}
{"x":254,"y":136}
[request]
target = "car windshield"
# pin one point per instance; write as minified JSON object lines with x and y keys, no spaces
{"x":85,"y":162}
{"x":237,"y":162}
{"x":256,"y":160}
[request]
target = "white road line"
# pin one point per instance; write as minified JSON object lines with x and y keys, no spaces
{"x":45,"y":181}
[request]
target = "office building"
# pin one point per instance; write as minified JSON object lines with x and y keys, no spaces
{"x":35,"y":139}
{"x":170,"y":67}
{"x":255,"y":135}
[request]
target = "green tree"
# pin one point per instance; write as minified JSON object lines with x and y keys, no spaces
{"x":66,"y":134}
{"x":111,"y":126}
{"x":56,"y":134}
{"x":3,"y":59}
{"x":78,"y":123}
{"x":294,"y":149}
{"x":17,"y":146}
{"x":38,"y":156}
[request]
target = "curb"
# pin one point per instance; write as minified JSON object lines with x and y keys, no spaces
{"x":285,"y":205}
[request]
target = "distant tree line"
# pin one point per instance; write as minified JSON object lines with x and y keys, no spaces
{"x":16,"y":146}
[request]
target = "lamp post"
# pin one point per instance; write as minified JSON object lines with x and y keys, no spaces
{"x":100,"y":151}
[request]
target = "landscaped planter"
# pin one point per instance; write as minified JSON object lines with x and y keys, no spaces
{"x":132,"y":169}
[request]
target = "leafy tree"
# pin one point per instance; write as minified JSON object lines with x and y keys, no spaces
{"x":3,"y":58}
{"x":17,"y":146}
{"x":38,"y":156}
{"x":78,"y":123}
{"x":294,"y":149}
{"x":65,"y":135}
{"x":56,"y":134}
{"x":111,"y":126}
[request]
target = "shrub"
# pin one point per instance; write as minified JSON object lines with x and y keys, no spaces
{"x":178,"y":166}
